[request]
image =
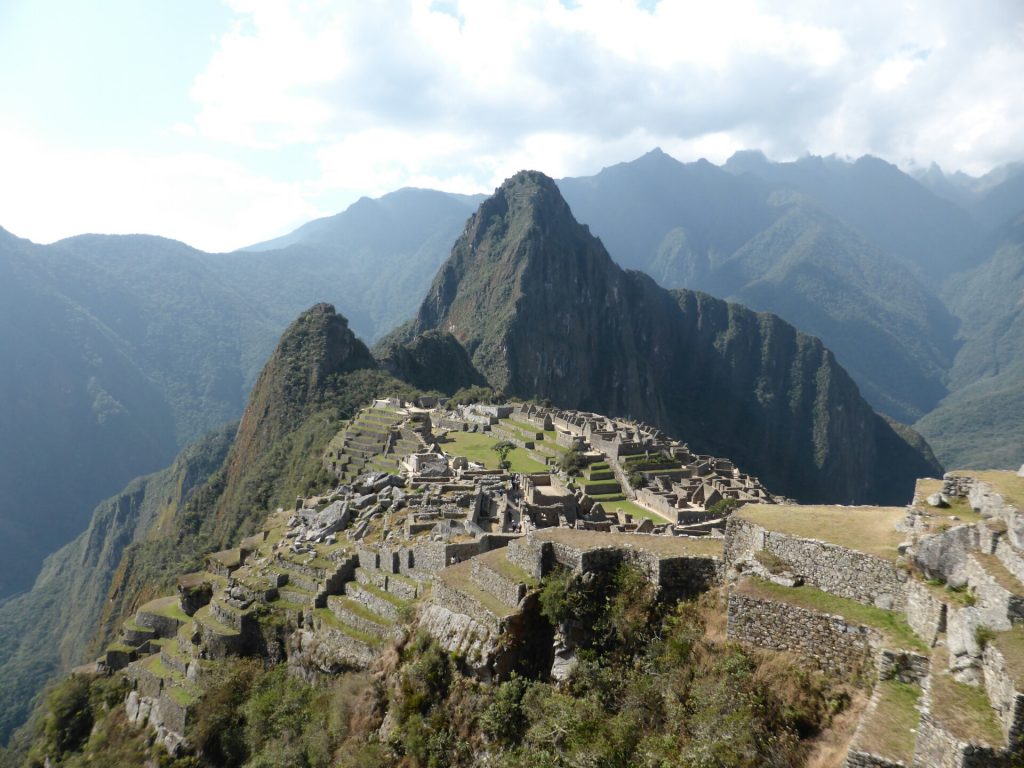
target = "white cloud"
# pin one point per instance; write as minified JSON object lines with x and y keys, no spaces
{"x":459,"y":94}
{"x":208,"y":202}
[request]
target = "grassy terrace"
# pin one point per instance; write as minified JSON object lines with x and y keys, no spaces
{"x":616,"y":501}
{"x":165,"y":606}
{"x":958,"y":507}
{"x":497,"y":561}
{"x":963,"y":709}
{"x":995,"y":568}
{"x":892,"y":624}
{"x":890,"y":731}
{"x":459,"y":577}
{"x":328,"y":618}
{"x":871,"y":530}
{"x":1006,"y":483}
{"x":476,"y":446}
{"x":1011,"y":645}
{"x":668,"y":546}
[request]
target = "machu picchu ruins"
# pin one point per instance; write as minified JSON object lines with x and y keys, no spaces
{"x":451,"y":517}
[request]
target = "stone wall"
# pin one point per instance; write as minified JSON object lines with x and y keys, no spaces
{"x":938,"y":748}
{"x":926,"y":614}
{"x":829,"y":567}
{"x":835,"y":644}
{"x":658,"y":503}
{"x":1006,"y":699}
{"x":510,"y":592}
{"x":459,"y":602}
{"x":528,"y":555}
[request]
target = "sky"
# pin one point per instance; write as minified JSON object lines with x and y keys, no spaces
{"x":225,"y":123}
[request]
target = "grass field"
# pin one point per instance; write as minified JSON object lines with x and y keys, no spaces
{"x":638,"y":512}
{"x":871,"y":530}
{"x":477,"y":446}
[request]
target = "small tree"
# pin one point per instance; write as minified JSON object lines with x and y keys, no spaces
{"x":572,"y":462}
{"x":503,"y":449}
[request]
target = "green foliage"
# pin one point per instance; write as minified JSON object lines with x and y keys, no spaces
{"x":637,"y":480}
{"x":505,"y":719}
{"x":572,"y":462}
{"x":476,"y":394}
{"x":723,"y":507}
{"x":503,"y":448}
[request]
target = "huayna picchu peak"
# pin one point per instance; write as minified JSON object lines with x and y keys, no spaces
{"x":544,"y":312}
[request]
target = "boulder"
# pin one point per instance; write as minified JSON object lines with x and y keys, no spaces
{"x":937,"y":500}
{"x":1020,"y":472}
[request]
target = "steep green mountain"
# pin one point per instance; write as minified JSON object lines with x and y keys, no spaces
{"x":50,"y":628}
{"x":982,"y":422}
{"x":892,"y":336}
{"x":432,"y":361}
{"x":692,"y":225}
{"x":376,"y":258}
{"x":544,"y":312}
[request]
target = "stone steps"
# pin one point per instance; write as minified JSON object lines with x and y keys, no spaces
{"x":375,"y":599}
{"x":359,"y":617}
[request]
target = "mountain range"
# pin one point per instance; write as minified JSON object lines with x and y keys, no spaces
{"x":886,"y":269}
{"x":120,"y":351}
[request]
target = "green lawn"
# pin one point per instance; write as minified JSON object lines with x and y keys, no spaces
{"x":638,"y":512}
{"x":476,"y":446}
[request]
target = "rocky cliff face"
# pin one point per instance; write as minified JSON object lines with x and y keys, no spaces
{"x":544,"y":312}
